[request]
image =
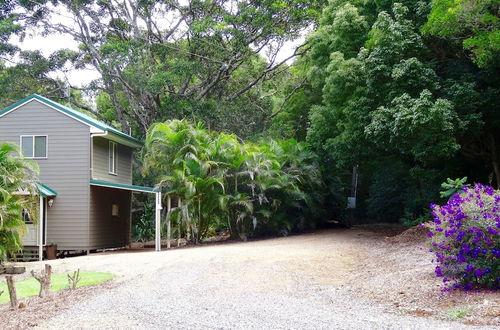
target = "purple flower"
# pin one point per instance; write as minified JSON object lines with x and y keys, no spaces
{"x":465,"y":238}
{"x":438,"y":271}
{"x":478,"y":272}
{"x":492,"y":231}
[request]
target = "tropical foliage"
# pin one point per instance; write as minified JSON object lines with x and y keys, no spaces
{"x":17,"y":184}
{"x":144,"y":227}
{"x":391,"y":89}
{"x":403,"y":91}
{"x":246,"y":188}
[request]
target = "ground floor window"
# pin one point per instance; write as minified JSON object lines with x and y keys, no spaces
{"x":27,"y":218}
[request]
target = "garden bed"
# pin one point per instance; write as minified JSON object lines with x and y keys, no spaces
{"x":398,"y":272}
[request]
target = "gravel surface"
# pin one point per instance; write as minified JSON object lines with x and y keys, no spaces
{"x":184,"y":298}
{"x":337,"y":279}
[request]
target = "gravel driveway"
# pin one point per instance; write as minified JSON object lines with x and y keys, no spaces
{"x":288,"y":283}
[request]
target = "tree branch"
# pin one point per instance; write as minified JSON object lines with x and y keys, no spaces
{"x":282,"y":106}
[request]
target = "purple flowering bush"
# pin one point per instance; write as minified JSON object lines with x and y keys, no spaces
{"x":466,"y":239}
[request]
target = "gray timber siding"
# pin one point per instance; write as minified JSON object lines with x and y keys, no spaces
{"x":100,"y":162}
{"x":107,"y":231}
{"x":66,"y":169}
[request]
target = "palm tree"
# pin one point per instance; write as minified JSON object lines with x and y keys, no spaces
{"x":17,"y":175}
{"x":301,"y":193}
{"x":270,"y":185}
{"x":179,"y":156}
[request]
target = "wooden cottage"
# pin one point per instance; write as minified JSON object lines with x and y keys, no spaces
{"x":85,"y":175}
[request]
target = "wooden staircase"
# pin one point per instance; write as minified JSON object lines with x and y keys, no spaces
{"x":27,"y":254}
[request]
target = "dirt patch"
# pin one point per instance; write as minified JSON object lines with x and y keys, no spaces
{"x":400,"y":275}
{"x":416,"y":234}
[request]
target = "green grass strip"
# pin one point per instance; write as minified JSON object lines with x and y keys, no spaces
{"x":30,"y":287}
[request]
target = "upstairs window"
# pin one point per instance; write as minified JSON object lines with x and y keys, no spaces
{"x":112,"y":157}
{"x":34,"y":146}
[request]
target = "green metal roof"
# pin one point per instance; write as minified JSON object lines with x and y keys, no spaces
{"x":46,"y":191}
{"x":73,"y":113}
{"x":122,"y":186}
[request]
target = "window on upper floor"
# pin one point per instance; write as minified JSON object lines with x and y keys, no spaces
{"x":34,"y":146}
{"x":113,"y":151}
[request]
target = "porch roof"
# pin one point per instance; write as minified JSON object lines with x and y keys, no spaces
{"x":108,"y":184}
{"x":46,"y":191}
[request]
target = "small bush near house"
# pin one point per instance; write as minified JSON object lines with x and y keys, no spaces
{"x":465,"y":239}
{"x":16,"y":174}
{"x":144,"y":226}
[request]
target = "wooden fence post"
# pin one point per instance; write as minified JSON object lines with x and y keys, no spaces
{"x":12,"y":291}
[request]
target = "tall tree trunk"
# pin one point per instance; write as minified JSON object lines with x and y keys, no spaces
{"x":494,"y":159}
{"x":496,"y":170}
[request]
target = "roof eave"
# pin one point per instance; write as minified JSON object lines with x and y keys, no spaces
{"x":108,"y":184}
{"x":129,"y":142}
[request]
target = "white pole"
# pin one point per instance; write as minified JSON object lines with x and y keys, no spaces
{"x":168,"y":221}
{"x":157,"y":222}
{"x":179,"y":204}
{"x":40,"y":230}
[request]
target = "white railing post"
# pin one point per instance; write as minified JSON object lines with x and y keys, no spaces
{"x":169,"y":207}
{"x":40,"y":230}
{"x":157,"y":221}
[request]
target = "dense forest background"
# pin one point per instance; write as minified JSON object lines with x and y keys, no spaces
{"x":392,"y":96}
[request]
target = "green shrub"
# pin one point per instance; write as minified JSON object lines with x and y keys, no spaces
{"x":466,"y":239}
{"x":144,"y":228}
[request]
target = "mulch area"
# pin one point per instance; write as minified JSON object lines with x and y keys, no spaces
{"x":35,"y":310}
{"x":416,"y":234}
{"x":399,"y":273}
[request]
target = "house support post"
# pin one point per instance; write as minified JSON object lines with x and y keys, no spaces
{"x":169,"y":229}
{"x":40,"y":230}
{"x":179,"y":204}
{"x":157,"y":222}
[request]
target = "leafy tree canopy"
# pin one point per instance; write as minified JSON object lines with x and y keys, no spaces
{"x":164,"y":59}
{"x":474,"y":22}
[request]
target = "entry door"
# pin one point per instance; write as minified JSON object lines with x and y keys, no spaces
{"x":31,"y":236}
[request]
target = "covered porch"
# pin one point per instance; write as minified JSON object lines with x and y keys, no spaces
{"x":135,"y":189}
{"x":36,"y":233}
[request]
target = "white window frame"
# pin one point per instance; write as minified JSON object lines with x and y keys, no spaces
{"x":112,"y":161}
{"x":33,"y":136}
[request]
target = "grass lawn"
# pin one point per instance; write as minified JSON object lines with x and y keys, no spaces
{"x":30,"y":287}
